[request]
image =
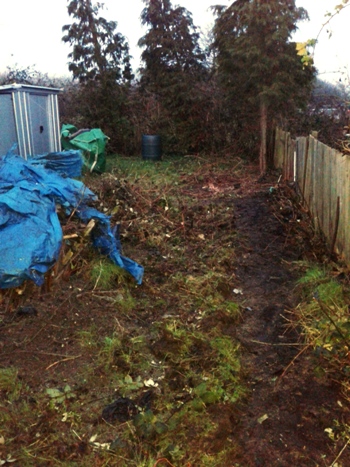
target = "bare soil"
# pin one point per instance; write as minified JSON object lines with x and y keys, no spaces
{"x":289,"y":407}
{"x":281,"y":421}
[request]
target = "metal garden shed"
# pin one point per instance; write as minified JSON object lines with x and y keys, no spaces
{"x":29,"y":117}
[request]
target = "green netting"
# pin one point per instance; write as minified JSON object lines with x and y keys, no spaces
{"x":92,"y":143}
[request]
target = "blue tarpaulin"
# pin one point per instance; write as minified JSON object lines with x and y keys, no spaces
{"x":30,"y":231}
{"x":67,"y":163}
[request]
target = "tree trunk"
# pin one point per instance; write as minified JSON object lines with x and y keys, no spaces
{"x":100,"y":61}
{"x":263,"y":136}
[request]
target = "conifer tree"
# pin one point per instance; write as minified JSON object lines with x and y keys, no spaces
{"x":256,"y":60}
{"x":100,"y":60}
{"x":98,"y":50}
{"x":173,"y":65}
{"x":171,"y":44}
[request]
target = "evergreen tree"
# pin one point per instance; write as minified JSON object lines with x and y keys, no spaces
{"x":170,"y":44}
{"x":100,"y":60}
{"x":173,"y":66}
{"x":98,"y":50}
{"x":256,"y":60}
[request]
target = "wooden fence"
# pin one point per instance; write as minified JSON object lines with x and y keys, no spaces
{"x":322,"y":178}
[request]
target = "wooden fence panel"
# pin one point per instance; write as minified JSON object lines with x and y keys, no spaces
{"x":317,"y":182}
{"x":341,"y":190}
{"x":346,"y":207}
{"x":289,"y":175}
{"x":327,"y":177}
{"x":333,"y":200}
{"x":320,"y":182}
{"x":322,"y":178}
{"x":301,"y":149}
{"x":307,"y":188}
{"x":281,"y":151}
{"x":313,"y":158}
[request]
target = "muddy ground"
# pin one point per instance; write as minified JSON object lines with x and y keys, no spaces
{"x":282,"y":419}
{"x":289,"y":408}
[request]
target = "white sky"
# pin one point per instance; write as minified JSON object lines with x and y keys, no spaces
{"x":31,"y":32}
{"x":331,"y":55}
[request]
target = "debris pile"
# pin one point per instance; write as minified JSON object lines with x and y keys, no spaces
{"x":30,"y":231}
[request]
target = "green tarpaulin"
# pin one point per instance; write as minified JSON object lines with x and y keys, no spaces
{"x":92,"y":143}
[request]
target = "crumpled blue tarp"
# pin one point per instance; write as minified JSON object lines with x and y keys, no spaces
{"x":66,"y":163}
{"x":30,"y":232}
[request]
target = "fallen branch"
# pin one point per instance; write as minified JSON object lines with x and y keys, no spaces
{"x":292,"y":362}
{"x":271,"y":343}
{"x":61,"y":361}
{"x":341,"y":452}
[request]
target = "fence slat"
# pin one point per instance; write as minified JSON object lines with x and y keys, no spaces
{"x":322,"y":178}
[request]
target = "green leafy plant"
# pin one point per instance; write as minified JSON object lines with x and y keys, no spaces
{"x":148,"y":425}
{"x":60,"y":396}
{"x":324,"y":316}
{"x":127,"y":385}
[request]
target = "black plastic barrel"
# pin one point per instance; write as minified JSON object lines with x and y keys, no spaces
{"x":151,"y":147}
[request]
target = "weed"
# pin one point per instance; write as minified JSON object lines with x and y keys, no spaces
{"x":106,"y":275}
{"x":111,"y":345}
{"x":163,"y":347}
{"x":60,"y":396}
{"x":124,"y":302}
{"x":324,"y":316}
{"x":9,"y":382}
{"x":313,"y":276}
{"x":88,"y":338}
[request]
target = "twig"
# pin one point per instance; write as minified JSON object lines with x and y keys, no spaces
{"x":61,"y":361}
{"x":25,"y":341}
{"x":92,"y":292}
{"x":292,"y":362}
{"x":51,"y":354}
{"x":99,"y":277}
{"x":331,"y":16}
{"x":273,"y":241}
{"x":73,"y":258}
{"x":341,"y":452}
{"x":325,"y":312}
{"x":9,"y":301}
{"x":270,"y":343}
{"x":163,"y":459}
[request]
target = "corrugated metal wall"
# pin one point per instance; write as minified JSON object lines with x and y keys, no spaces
{"x":29,"y":117}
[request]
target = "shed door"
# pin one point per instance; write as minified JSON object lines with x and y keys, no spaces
{"x":8,"y":134}
{"x":40,"y":123}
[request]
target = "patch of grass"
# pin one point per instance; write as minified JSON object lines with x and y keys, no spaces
{"x":314,"y":275}
{"x":166,"y":348}
{"x":180,"y":414}
{"x":106,"y":275}
{"x":204,"y":292}
{"x":9,"y":382}
{"x":152,"y":173}
{"x":88,"y":338}
{"x":111,"y":345}
{"x":324,"y":316}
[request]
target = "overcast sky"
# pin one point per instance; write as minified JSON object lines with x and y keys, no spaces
{"x":31,"y":32}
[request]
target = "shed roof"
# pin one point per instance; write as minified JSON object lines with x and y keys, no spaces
{"x":27,"y":87}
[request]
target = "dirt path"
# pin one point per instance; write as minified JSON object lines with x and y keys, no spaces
{"x":284,"y":418}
